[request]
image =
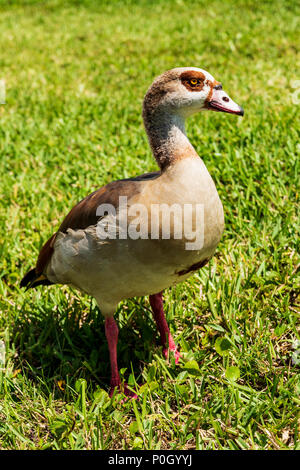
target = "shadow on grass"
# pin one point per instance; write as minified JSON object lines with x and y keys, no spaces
{"x":67,"y":341}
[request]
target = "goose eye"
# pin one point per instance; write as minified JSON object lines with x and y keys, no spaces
{"x":193,"y":81}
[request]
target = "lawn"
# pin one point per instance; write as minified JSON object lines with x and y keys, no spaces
{"x":75,"y":75}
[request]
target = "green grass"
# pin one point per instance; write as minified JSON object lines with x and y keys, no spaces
{"x":75,"y":74}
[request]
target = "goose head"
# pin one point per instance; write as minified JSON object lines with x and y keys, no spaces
{"x":187,"y":90}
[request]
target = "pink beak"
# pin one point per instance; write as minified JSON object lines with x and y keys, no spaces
{"x":221,"y":102}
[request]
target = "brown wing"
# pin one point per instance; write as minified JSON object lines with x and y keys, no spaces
{"x":83,"y":215}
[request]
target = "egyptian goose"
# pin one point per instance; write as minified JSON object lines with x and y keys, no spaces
{"x":103,"y":249}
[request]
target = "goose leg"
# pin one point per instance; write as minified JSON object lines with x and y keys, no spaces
{"x":111,"y":332}
{"x":156,"y":302}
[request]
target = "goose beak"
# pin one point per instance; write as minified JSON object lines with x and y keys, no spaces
{"x":221,"y":102}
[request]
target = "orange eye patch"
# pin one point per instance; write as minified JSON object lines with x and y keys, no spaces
{"x":192,"y":80}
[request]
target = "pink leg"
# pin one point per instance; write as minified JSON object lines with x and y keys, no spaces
{"x":111,"y":332}
{"x":156,"y":302}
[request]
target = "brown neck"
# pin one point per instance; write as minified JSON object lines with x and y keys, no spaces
{"x":167,"y":137}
